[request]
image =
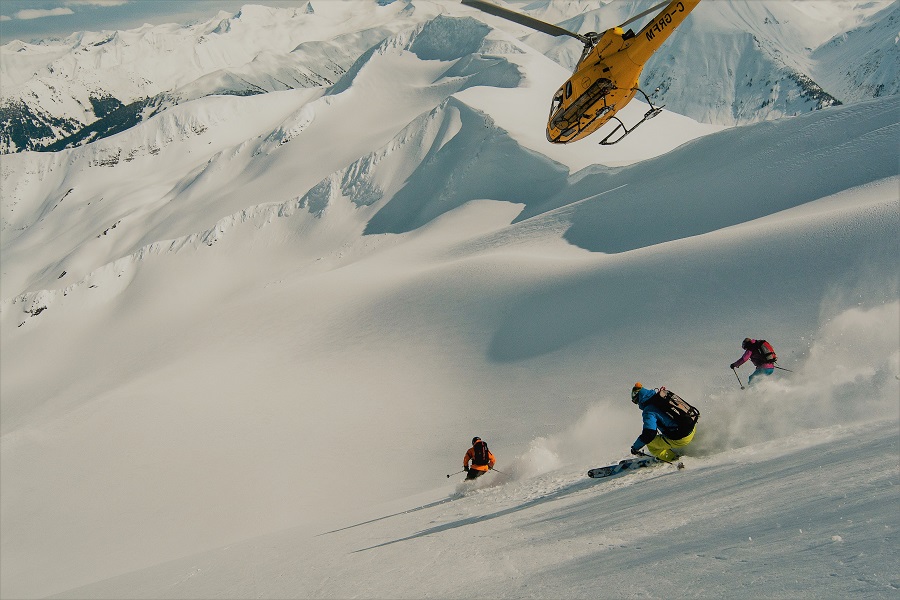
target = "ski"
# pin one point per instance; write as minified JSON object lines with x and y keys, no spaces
{"x":629,"y":464}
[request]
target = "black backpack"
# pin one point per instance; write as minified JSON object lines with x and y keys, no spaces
{"x":482,"y":454}
{"x":763,"y":352}
{"x":675,"y":407}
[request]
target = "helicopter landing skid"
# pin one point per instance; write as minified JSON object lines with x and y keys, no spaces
{"x":654,"y":110}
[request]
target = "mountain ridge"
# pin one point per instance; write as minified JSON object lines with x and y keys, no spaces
{"x":79,"y":107}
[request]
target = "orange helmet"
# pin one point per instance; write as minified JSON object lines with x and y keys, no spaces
{"x":634,"y":391}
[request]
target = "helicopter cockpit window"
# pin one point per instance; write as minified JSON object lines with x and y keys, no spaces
{"x":557,"y":102}
{"x":590,"y":105}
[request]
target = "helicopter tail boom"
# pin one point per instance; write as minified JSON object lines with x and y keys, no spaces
{"x":658,"y":30}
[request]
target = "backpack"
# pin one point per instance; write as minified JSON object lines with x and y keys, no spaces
{"x":482,"y":454}
{"x":674,"y":406}
{"x":763,"y":352}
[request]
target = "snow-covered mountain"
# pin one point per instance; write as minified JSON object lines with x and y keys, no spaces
{"x":753,"y":60}
{"x":55,"y":89}
{"x":243,"y":341}
{"x":862,"y":63}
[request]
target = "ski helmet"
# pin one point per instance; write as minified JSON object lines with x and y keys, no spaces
{"x":475,"y":439}
{"x":746,"y":343}
{"x":634,"y":391}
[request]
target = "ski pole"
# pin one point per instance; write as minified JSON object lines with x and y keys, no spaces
{"x":457,"y":473}
{"x":668,"y":462}
{"x":501,"y":472}
{"x":642,"y":453}
{"x":738,"y":377}
{"x":783,"y":369}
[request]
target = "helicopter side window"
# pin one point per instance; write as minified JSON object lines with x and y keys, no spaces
{"x":568,"y":88}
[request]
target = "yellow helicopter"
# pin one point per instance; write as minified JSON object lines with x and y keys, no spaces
{"x":606,"y":76}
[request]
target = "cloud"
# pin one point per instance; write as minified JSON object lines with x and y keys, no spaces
{"x":34,"y":13}
{"x":96,"y":2}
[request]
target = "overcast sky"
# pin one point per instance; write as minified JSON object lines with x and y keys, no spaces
{"x":29,"y":20}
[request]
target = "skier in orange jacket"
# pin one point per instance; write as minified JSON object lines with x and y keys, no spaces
{"x":481,"y":458}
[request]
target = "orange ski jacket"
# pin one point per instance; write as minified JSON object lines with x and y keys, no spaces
{"x":470,"y":456}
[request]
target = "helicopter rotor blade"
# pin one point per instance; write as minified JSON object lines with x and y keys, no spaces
{"x":521,"y":19}
{"x":636,"y":17}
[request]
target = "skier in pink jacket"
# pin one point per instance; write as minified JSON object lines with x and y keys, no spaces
{"x":761,"y":354}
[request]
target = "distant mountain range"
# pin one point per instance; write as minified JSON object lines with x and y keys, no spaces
{"x":733,"y":62}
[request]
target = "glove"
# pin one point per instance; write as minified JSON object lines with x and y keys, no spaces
{"x":637,"y":452}
{"x":733,"y":365}
{"x":465,"y":469}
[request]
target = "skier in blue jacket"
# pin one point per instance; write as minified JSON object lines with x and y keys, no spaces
{"x":664,"y":412}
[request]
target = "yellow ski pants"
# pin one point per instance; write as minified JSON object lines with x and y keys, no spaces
{"x":661,"y":446}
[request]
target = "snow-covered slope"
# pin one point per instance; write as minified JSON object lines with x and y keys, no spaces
{"x":276,"y":373}
{"x":737,"y":525}
{"x":243,"y":343}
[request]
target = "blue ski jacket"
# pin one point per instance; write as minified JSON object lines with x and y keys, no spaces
{"x":654,"y":419}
